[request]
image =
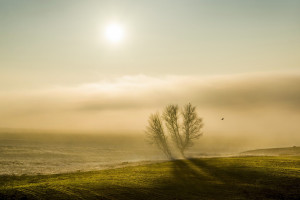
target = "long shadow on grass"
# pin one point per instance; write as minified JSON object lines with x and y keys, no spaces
{"x":200,"y":179}
{"x":188,"y":179}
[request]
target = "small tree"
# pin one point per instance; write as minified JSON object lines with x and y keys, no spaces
{"x":182,"y":135}
{"x":171,"y":118}
{"x":191,"y":128}
{"x":156,"y":134}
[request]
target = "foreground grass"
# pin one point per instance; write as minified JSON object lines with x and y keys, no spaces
{"x":209,"y":178}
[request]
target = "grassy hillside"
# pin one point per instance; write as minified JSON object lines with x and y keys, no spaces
{"x":291,"y":151}
{"x":209,"y":178}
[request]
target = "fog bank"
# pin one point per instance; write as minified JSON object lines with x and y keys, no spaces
{"x":263,"y":106}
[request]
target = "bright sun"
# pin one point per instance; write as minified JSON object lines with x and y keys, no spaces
{"x":114,"y":33}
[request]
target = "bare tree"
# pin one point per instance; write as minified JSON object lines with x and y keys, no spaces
{"x":171,"y":118}
{"x":182,"y":135}
{"x":192,"y":125}
{"x":156,"y":134}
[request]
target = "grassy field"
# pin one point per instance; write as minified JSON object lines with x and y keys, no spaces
{"x":288,"y":151}
{"x":205,"y":178}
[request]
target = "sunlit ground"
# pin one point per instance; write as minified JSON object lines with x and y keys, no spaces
{"x":210,"y":178}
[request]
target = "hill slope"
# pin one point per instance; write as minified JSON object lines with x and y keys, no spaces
{"x":290,"y":151}
{"x":205,"y":178}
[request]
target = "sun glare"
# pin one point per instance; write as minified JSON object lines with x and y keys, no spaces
{"x":114,"y":33}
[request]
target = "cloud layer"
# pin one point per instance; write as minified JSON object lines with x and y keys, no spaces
{"x":251,"y":104}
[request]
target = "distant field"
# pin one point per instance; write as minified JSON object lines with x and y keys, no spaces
{"x":205,"y":178}
{"x":288,"y":151}
{"x":51,"y":153}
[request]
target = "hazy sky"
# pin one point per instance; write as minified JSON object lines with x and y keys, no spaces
{"x":57,"y":42}
{"x":234,"y":59}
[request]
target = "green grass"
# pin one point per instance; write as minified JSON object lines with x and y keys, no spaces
{"x":206,"y":178}
{"x":288,"y":151}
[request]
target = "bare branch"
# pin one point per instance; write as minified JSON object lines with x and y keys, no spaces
{"x":157,"y":135}
{"x":192,"y":125}
{"x":171,"y":117}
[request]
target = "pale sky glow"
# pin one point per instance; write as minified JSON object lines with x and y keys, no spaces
{"x":57,"y":42}
{"x":83,"y":64}
{"x":114,"y":32}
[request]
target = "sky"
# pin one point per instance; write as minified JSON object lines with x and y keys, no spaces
{"x":234,"y":59}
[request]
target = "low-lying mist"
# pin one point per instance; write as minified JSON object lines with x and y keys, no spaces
{"x":48,"y":152}
{"x":259,"y":110}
